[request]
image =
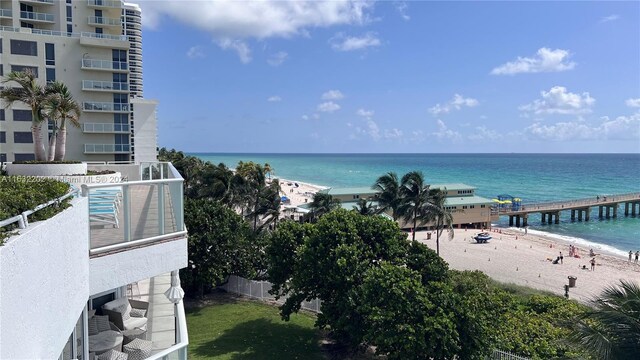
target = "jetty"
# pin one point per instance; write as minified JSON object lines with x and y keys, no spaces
{"x":580,"y":209}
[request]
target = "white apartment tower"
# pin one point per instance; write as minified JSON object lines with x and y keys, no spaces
{"x":95,"y":48}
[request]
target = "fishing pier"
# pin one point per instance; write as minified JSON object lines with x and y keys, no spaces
{"x":607,"y":205}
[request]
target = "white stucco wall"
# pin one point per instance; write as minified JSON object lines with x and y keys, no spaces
{"x":46,"y":169}
{"x":115,"y":270}
{"x":44,"y":284}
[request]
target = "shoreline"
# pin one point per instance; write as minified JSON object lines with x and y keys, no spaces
{"x":515,"y":257}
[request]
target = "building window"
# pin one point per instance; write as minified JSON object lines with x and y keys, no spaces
{"x":99,"y":31}
{"x":21,"y":47}
{"x":482,"y":206}
{"x":1,"y":114}
{"x":69,"y":29}
{"x":3,"y":137}
{"x":122,"y":157}
{"x":69,"y":17}
{"x":19,"y":68}
{"x":51,"y":74}
{"x":464,"y":206}
{"x":3,"y":157}
{"x":472,"y":206}
{"x":50,"y":55}
{"x":22,"y":115}
{"x":119,"y":55}
{"x":25,"y":157}
{"x":119,"y":78}
{"x":22,"y":137}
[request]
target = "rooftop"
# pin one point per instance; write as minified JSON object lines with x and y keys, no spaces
{"x":453,"y":186}
{"x":349,"y":191}
{"x":466,"y":200}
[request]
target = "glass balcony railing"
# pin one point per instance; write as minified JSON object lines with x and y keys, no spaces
{"x":107,"y":148}
{"x":104,"y":3}
{"x":28,"y":15}
{"x":95,"y":85}
{"x":65,"y":34}
{"x":104,"y":65}
{"x":103,"y":36}
{"x":5,"y":12}
{"x":46,"y":2}
{"x":131,"y":213}
{"x":104,"y":107}
{"x":105,"y":128}
{"x":104,"y":21}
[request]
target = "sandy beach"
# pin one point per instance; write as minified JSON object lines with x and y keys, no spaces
{"x":524,"y":259}
{"x":513,"y":256}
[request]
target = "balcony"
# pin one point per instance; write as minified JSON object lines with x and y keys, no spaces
{"x":5,"y":13}
{"x":36,"y":17}
{"x":107,"y":149}
{"x":101,"y":4}
{"x":105,"y":128}
{"x":104,"y":65}
{"x":38,"y":2}
{"x":104,"y":40}
{"x":104,"y":21}
{"x":105,"y":107}
{"x":106,"y":86}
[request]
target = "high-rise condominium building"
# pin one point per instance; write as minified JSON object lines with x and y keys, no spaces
{"x":95,"y":48}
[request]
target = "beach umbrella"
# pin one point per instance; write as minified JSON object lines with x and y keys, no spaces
{"x":175,"y":293}
{"x":507,"y":202}
{"x":495,"y":200}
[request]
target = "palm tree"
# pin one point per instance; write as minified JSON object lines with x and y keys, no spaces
{"x":389,"y":197}
{"x":61,"y":106}
{"x":440,"y":215}
{"x":612,"y":329}
{"x":32,"y":94}
{"x":268,"y":169}
{"x":322,"y":203}
{"x":365,"y":208}
{"x":415,"y":199}
{"x":270,"y":204}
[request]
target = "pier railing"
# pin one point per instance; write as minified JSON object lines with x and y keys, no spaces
{"x":569,"y":204}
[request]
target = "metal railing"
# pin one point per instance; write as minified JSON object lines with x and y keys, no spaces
{"x":63,"y":33}
{"x":104,"y":3}
{"x":5,"y":13}
{"x":28,"y":15}
{"x":505,"y":355}
{"x":105,"y":106}
{"x":104,"y":85}
{"x":105,"y":128}
{"x":148,"y":211}
{"x":104,"y":64}
{"x":107,"y":148}
{"x":23,"y":218}
{"x":568,"y":204}
{"x":101,"y":20}
{"x":179,"y":350}
{"x":48,"y":2}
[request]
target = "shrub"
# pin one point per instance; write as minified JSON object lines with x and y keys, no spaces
{"x":20,"y":193}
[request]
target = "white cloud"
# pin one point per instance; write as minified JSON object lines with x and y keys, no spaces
{"x":239,"y":46}
{"x":612,"y":17}
{"x":231,"y":21}
{"x":392,"y":133}
{"x":305,"y":117}
{"x":633,"y":102}
{"x":546,"y":60}
{"x":373,"y":130}
{"x":328,"y":106}
{"x":457,"y":103}
{"x":195,"y":52}
{"x":274,"y":98}
{"x":444,"y":133}
{"x":332,"y":95}
{"x":367,"y":114}
{"x":401,"y":7}
{"x":340,"y":42}
{"x":559,"y":101}
{"x":481,"y":133}
{"x":277,"y":59}
{"x":622,"y":128}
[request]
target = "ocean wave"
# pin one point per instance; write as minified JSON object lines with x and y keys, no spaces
{"x":580,"y":242}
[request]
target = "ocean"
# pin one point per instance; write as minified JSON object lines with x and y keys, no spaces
{"x":531,"y":177}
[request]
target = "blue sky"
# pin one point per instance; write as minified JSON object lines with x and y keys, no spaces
{"x":363,"y":76}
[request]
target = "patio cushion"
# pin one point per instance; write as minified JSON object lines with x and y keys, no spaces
{"x":117,"y":306}
{"x":113,"y":355}
{"x":138,"y":312}
{"x":93,"y":326}
{"x":102,"y":322}
{"x":138,"y":349}
{"x":135,"y":322}
{"x":122,"y":309}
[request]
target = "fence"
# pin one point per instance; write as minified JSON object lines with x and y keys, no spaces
{"x":260,"y":290}
{"x":505,"y":355}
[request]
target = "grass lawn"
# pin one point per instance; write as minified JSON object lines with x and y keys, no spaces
{"x":239,"y":330}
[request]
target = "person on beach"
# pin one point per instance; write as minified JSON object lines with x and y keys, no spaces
{"x":593,"y":264}
{"x":637,"y":255}
{"x":561,"y":257}
{"x":630,"y":253}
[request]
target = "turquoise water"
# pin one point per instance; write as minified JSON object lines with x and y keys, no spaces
{"x":532,"y":177}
